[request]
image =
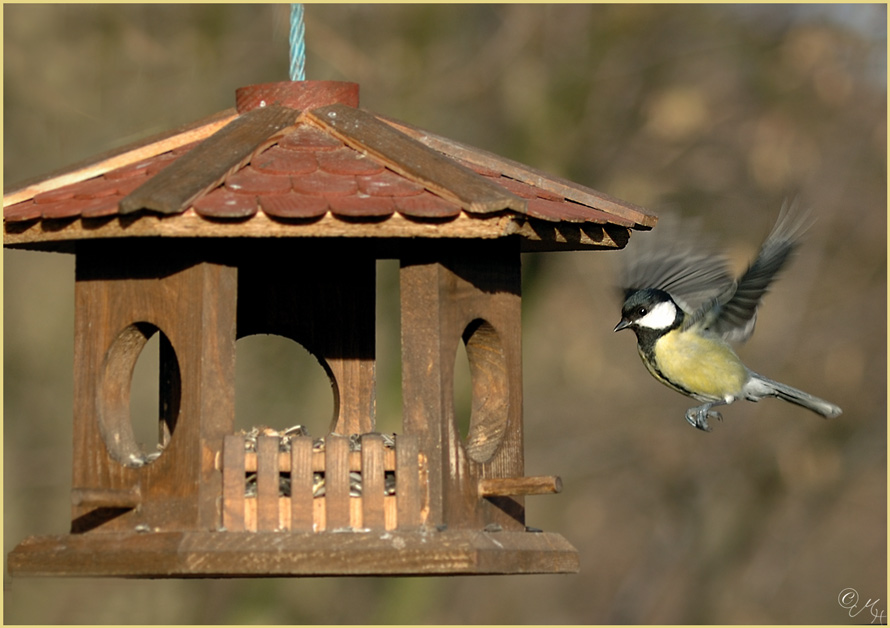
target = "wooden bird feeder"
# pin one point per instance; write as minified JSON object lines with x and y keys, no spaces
{"x":269,"y":219}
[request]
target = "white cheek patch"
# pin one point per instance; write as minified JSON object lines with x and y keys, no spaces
{"x":661,"y":316}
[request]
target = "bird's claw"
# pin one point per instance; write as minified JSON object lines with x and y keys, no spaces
{"x":698,"y":417}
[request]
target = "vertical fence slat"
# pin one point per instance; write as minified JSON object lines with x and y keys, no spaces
{"x":233,"y":484}
{"x":301,"y":480}
{"x":336,"y":482}
{"x":267,"y":483}
{"x":372,"y":482}
{"x":408,"y":497}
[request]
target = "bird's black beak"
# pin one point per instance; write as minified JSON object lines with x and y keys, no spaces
{"x":622,"y":324}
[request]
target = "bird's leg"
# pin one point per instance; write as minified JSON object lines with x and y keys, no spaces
{"x":699,"y":415}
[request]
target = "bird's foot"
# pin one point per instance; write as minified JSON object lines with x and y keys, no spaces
{"x":698,"y":417}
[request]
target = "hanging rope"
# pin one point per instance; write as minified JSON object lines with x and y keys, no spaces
{"x":297,"y":43}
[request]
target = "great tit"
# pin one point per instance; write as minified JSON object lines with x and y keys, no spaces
{"x":685,"y":309}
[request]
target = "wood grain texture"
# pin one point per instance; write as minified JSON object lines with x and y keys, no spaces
{"x":233,"y":483}
{"x":119,"y":157}
{"x":215,"y":554}
{"x":301,"y":480}
{"x":527,"y":174}
{"x":410,"y":158}
{"x":267,"y":484}
{"x":409,"y":493}
{"x":298,"y":95}
{"x":373,"y":475}
{"x":444,"y":295}
{"x":533,"y":235}
{"x":105,"y":498}
{"x":336,"y":482}
{"x":173,"y":189}
{"x":537,"y":485}
{"x":123,"y":295}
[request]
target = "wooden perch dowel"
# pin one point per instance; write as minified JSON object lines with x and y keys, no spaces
{"x":105,"y":498}
{"x":504,"y":487}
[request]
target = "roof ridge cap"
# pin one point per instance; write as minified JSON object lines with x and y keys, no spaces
{"x":173,"y":189}
{"x":439,"y":173}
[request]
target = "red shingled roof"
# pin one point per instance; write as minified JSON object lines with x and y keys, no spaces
{"x":326,"y":163}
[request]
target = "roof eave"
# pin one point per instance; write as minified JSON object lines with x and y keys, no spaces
{"x":535,"y":235}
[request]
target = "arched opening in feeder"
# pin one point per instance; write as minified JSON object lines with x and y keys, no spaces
{"x":279,"y":384}
{"x":489,"y":398}
{"x":145,"y":396}
{"x":135,"y":429}
{"x":463,"y":392}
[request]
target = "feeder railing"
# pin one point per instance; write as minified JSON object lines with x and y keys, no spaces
{"x":339,"y":483}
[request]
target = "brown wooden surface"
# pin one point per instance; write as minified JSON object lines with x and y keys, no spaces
{"x":173,"y":189}
{"x":106,"y":498}
{"x":267,"y":483}
{"x":409,"y":492}
{"x":122,"y":293}
{"x":336,"y":482}
{"x":298,"y":95}
{"x":503,"y":487}
{"x":216,"y":554}
{"x":301,"y":480}
{"x":534,"y":235}
{"x":373,"y":472}
{"x":444,"y":293}
{"x":119,"y":157}
{"x":233,"y":484}
{"x":326,"y":302}
{"x":406,"y":156}
{"x":527,"y":174}
{"x":302,"y":511}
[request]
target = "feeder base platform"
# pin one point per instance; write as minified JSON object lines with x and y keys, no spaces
{"x":265,"y":554}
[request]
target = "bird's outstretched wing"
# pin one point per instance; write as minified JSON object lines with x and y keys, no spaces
{"x":733,"y":313}
{"x":678,"y":262}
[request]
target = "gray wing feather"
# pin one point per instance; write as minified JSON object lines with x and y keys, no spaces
{"x":732,"y":314}
{"x":680,"y":263}
{"x":677,"y":262}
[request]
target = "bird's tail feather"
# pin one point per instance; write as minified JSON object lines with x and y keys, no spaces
{"x":760,"y":387}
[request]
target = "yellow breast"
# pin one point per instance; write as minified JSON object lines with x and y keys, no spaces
{"x":704,"y":365}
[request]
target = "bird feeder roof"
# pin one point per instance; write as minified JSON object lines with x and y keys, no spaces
{"x":300,"y":159}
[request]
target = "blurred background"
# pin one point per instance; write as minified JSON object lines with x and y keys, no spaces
{"x":710,"y":113}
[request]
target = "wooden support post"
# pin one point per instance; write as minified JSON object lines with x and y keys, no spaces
{"x":451,"y":294}
{"x":124,"y":294}
{"x":409,"y":500}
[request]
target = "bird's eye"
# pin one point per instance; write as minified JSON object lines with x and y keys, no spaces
{"x":642,"y":311}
